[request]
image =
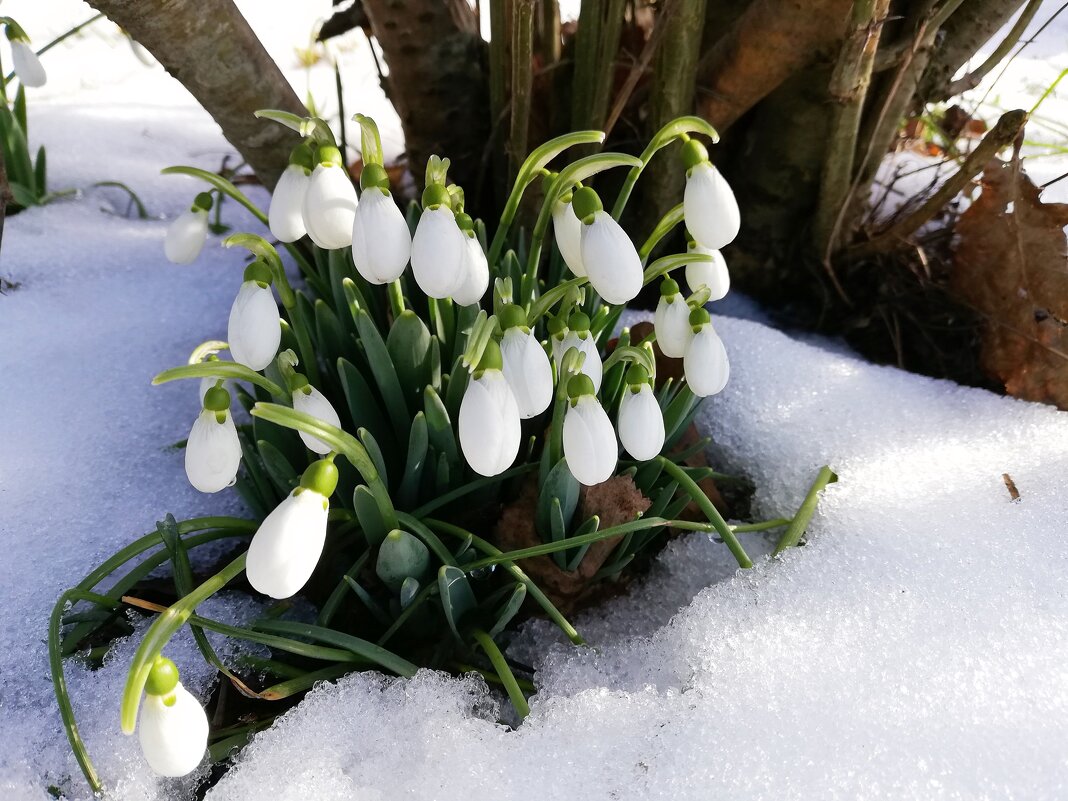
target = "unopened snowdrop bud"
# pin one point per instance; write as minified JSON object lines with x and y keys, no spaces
{"x":173,"y":729}
{"x":708,"y":204}
{"x":580,"y":337}
{"x":438,"y":247}
{"x":557,"y":327}
{"x":672,"y":321}
{"x":286,"y":548}
{"x":608,"y":256}
{"x":589,"y":439}
{"x":286,"y":215}
{"x":188,"y":233}
{"x":705,"y":363}
{"x":526,"y":365}
{"x":641,"y":422}
{"x":381,"y":241}
{"x":568,"y":232}
{"x":329,"y":208}
{"x":27,"y":66}
{"x":489,"y":417}
{"x":255,"y":330}
{"x":213,"y":451}
{"x":712,"y":275}
{"x":309,"y":400}
{"x":475,"y":266}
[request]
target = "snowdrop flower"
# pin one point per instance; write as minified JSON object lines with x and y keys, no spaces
{"x":672,"y":321}
{"x":381,"y":241}
{"x":309,"y":400}
{"x":526,"y":366}
{"x":27,"y":66}
{"x":213,"y":451}
{"x":608,"y":256}
{"x":589,"y":439}
{"x":438,"y":247}
{"x":188,"y":233}
{"x":641,"y":423}
{"x":708,"y":204}
{"x":173,"y":729}
{"x":712,"y":275}
{"x":580,"y":337}
{"x":568,"y":232}
{"x":475,"y":267}
{"x":489,"y":417}
{"x":705,"y":362}
{"x":255,"y":329}
{"x":286,"y":548}
{"x":329,"y":207}
{"x":286,"y":214}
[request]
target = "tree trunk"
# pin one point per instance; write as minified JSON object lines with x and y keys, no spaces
{"x":216,"y":56}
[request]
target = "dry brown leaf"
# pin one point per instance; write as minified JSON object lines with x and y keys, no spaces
{"x":1011,"y":265}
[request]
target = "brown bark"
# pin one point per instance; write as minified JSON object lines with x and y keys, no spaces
{"x":217,"y":57}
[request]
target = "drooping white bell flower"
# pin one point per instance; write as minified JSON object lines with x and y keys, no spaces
{"x":381,"y":241}
{"x":589,"y":439}
{"x":438,"y":251}
{"x":672,"y":321}
{"x":28,"y":67}
{"x":568,"y":232}
{"x":329,"y":208}
{"x":611,"y":262}
{"x":580,"y":337}
{"x":641,"y":421}
{"x":476,"y":272}
{"x":712,"y":275}
{"x":489,"y":417}
{"x":255,"y":330}
{"x":309,"y":400}
{"x":286,"y":548}
{"x":172,"y":728}
{"x":188,"y":233}
{"x":526,"y":365}
{"x":708,"y":203}
{"x":213,"y":450}
{"x":286,"y":214}
{"x":705,"y":363}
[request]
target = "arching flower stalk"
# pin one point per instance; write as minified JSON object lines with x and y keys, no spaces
{"x":311,"y":401}
{"x":329,"y":208}
{"x":213,"y":451}
{"x":526,"y":366}
{"x":173,"y":729}
{"x":609,"y":257}
{"x":381,"y":241}
{"x":189,"y":231}
{"x":254,"y":330}
{"x":705,"y":363}
{"x":641,"y":422}
{"x":286,"y":214}
{"x":489,"y":429}
{"x":709,"y":206}
{"x":672,"y":321}
{"x":589,"y":439}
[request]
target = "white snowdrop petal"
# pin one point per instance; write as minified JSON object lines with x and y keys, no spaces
{"x":173,"y":738}
{"x":481,"y":427}
{"x":286,"y":214}
{"x":709,"y":207}
{"x":511,"y":431}
{"x":316,"y":404}
{"x":641,"y":423}
{"x":528,"y":372}
{"x":611,"y":261}
{"x":567,"y":228}
{"x":254,"y":331}
{"x":28,"y":67}
{"x":705,"y":363}
{"x":381,"y":241}
{"x":672,"y":325}
{"x":438,"y":252}
{"x":186,"y":237}
{"x":589,"y":442}
{"x":476,"y":274}
{"x":212,"y":453}
{"x":329,"y":208}
{"x":286,"y":548}
{"x":591,"y":366}
{"x":712,"y":274}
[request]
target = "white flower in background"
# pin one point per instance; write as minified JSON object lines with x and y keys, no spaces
{"x":580,"y":337}
{"x":672,"y":321}
{"x":188,"y":233}
{"x":489,"y":417}
{"x":309,"y":400}
{"x":705,"y":363}
{"x":255,"y":329}
{"x":568,"y":232}
{"x":611,"y":262}
{"x":589,"y":439}
{"x":286,"y":214}
{"x":381,"y":241}
{"x":438,"y":248}
{"x":708,"y":204}
{"x":213,"y":451}
{"x":172,"y":729}
{"x":526,"y":365}
{"x":475,"y":270}
{"x":27,"y":66}
{"x":329,"y":208}
{"x":286,"y":548}
{"x":640,"y":422}
{"x":712,"y":275}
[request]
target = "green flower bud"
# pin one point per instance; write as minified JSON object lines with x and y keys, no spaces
{"x":465,"y":222}
{"x":216,"y":399}
{"x":669,"y":288}
{"x":637,"y":375}
{"x":557,"y":326}
{"x":580,"y":385}
{"x":585,"y":204}
{"x":259,"y":272}
{"x":693,"y":153}
{"x":202,"y":202}
{"x":436,"y":195}
{"x":699,"y":317}
{"x":330,"y":156}
{"x":491,"y":357}
{"x":303,"y":156}
{"x":321,"y":477}
{"x":374,"y":176}
{"x":579,"y":322}
{"x":162,"y":678}
{"x":299,"y":382}
{"x":512,"y":316}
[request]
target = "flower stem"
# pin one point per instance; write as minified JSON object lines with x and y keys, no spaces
{"x":500,"y":664}
{"x":792,"y":535}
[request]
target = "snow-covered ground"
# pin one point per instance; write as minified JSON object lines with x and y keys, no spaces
{"x":917,"y":647}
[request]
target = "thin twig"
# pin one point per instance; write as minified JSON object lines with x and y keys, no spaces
{"x":973,"y":78}
{"x":641,"y":67}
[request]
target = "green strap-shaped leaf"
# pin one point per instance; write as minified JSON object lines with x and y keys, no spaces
{"x":457,"y":598}
{"x":509,"y":609}
{"x":370,"y":517}
{"x":439,"y":426}
{"x":418,"y":441}
{"x":385,"y":375}
{"x":219,"y":369}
